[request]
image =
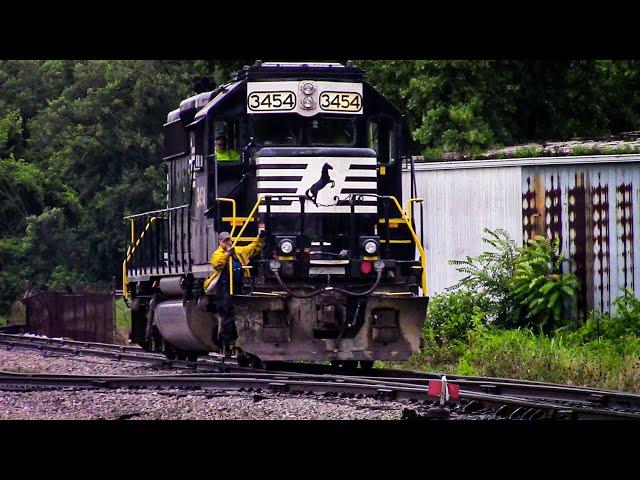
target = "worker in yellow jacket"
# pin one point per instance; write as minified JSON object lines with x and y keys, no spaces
{"x":222,"y":154}
{"x":219,"y":262}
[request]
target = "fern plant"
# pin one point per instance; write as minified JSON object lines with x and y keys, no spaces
{"x":545,"y":295}
{"x":520,"y":287}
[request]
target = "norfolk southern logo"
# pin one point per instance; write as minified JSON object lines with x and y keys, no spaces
{"x":325,"y":179}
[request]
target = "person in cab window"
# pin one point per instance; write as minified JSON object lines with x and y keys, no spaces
{"x":222,"y":154}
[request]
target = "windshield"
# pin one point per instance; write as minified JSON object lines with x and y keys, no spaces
{"x":285,"y":129}
{"x":278,"y":129}
{"x":331,"y":131}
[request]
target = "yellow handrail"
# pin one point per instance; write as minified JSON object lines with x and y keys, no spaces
{"x":130,"y":251}
{"x":233,"y":212}
{"x":423,"y":259}
{"x":255,"y":207}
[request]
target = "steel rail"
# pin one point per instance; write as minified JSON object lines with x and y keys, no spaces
{"x":279,"y":383}
{"x":214,"y":362}
{"x":527,"y":388}
{"x":503,"y":388}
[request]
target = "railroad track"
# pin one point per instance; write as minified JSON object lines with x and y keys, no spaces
{"x":504,"y":397}
{"x":212,"y":362}
{"x":472,"y":403}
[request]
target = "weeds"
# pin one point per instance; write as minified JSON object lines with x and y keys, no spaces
{"x":509,"y":317}
{"x":123,"y":321}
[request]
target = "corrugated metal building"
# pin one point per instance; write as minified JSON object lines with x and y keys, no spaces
{"x":591,"y":203}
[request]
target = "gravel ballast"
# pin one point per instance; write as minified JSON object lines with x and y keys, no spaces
{"x":165,"y":404}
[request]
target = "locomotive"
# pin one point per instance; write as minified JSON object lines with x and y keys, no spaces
{"x":318,"y":166}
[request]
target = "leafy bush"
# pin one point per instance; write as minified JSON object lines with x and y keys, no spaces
{"x":545,"y":295}
{"x":627,"y":309}
{"x":520,"y":286}
{"x":450,"y":316}
{"x":488,"y":274}
{"x":625,"y":322}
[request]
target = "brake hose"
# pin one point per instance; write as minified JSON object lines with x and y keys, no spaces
{"x":327,"y":289}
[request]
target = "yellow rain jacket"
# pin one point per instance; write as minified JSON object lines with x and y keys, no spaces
{"x":243,"y":254}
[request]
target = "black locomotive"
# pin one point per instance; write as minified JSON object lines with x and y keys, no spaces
{"x":318,"y":164}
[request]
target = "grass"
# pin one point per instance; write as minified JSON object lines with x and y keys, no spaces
{"x":521,"y":354}
{"x":123,"y":322}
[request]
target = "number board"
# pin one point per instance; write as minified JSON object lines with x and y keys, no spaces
{"x":271,"y":101}
{"x":340,"y":101}
{"x":289,"y":96}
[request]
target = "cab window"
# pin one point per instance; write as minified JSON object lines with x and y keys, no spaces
{"x":372,"y":135}
{"x":331,"y":131}
{"x":224,"y":139}
{"x":284,"y":130}
{"x":381,"y":137}
{"x":277,"y":130}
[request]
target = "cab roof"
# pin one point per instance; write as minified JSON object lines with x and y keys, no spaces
{"x":300,"y":71}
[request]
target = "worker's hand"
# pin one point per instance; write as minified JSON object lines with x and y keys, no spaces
{"x":262,"y":234}
{"x":231,"y":251}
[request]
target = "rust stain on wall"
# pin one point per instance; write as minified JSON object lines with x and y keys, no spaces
{"x":624,"y":219}
{"x":553,"y":207}
{"x":600,"y":201}
{"x":533,"y":208}
{"x":579,"y":236}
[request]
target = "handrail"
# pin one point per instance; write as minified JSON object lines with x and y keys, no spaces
{"x":410,"y":206}
{"x":233,"y":210}
{"x":157,"y":211}
{"x":423,"y":259}
{"x":130,"y":251}
{"x":255,"y":207}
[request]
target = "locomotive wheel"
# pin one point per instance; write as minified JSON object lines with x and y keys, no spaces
{"x":346,"y":365}
{"x":248,"y":360}
{"x":193,"y":356}
{"x":169,"y":351}
{"x":366,"y":365}
{"x":273,"y":365}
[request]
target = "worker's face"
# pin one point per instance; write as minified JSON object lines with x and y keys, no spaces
{"x":220,"y":146}
{"x":226,"y":244}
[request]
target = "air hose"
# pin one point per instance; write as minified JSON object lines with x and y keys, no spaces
{"x":327,"y":289}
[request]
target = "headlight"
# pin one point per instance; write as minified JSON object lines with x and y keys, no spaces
{"x":286,"y":246}
{"x":308,"y":88}
{"x":370,"y":247}
{"x":308,"y":103}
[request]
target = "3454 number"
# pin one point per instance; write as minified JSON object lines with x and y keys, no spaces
{"x":258,"y":101}
{"x":341,"y":101}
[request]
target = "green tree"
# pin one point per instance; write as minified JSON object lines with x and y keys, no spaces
{"x":471,"y":105}
{"x":103,"y":134}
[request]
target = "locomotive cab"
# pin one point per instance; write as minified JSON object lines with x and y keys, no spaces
{"x":317,"y":166}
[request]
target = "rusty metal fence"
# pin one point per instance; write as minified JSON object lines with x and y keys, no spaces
{"x":84,"y":316}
